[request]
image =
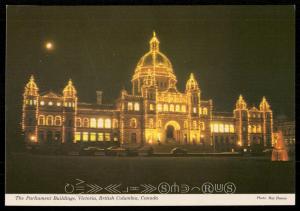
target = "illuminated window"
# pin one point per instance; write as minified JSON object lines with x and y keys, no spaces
{"x":58,"y":104}
{"x":200,"y":110}
{"x":216,"y":128}
{"x":92,"y":136}
{"x":78,"y":122}
{"x":50,"y":103}
{"x":204,"y":111}
{"x":172,"y":107}
{"x":221,"y":128}
{"x":100,"y":123}
{"x":231,"y":129}
{"x":85,"y":136}
{"x":77,"y":136}
{"x":41,"y":120}
{"x":58,"y":121}
{"x":159,"y":107}
{"x":151,"y":123}
{"x":202,"y":126}
{"x":166,"y":107}
{"x":183,"y":108}
{"x":194,"y":124}
{"x":70,"y":104}
{"x":49,"y":120}
{"x":34,"y":102}
{"x":93,"y":122}
{"x":107,"y":123}
{"x":100,"y":137}
{"x":226,"y":129}
{"x":65,"y":104}
{"x":177,"y":108}
{"x":136,"y":106}
{"x":107,"y":136}
{"x":159,"y":123}
{"x":115,"y":123}
{"x":85,"y":122}
{"x":249,"y":129}
{"x":258,"y":128}
{"x":130,"y":106}
{"x":258,"y":115}
{"x":195,"y":110}
{"x":42,"y":103}
{"x":151,"y":107}
{"x":185,"y":124}
{"x":254,"y":129}
{"x":133,"y":123}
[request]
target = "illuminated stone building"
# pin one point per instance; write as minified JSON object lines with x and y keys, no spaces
{"x":153,"y":112}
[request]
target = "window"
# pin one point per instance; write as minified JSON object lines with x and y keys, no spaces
{"x":151,"y":107}
{"x":92,"y":136}
{"x":200,"y":110}
{"x":159,"y":107}
{"x":58,"y":121}
{"x":107,"y":136}
{"x":133,"y":123}
{"x":85,"y":136}
{"x":85,"y":122}
{"x":41,"y":120}
{"x":216,"y":128}
{"x":100,"y":123}
{"x":258,"y":128}
{"x":166,"y":107}
{"x":107,"y":123}
{"x":34,"y":102}
{"x":130,"y":106}
{"x":159,"y":123}
{"x":231,"y":129}
{"x":151,"y":123}
{"x":78,"y":122}
{"x":194,"y":110}
{"x":185,"y":124}
{"x":42,"y":103}
{"x":202,"y":126}
{"x":183,"y":108}
{"x":100,"y":137}
{"x":65,"y":104}
{"x":177,"y":108}
{"x":50,"y":103}
{"x":204,"y":110}
{"x":172,"y":107}
{"x":49,"y":120}
{"x":226,"y":129}
{"x":115,"y":123}
{"x":249,"y":129}
{"x":221,"y":128}
{"x":194,"y":124}
{"x":77,"y":136}
{"x":254,"y":129}
{"x":58,"y":104}
{"x":136,"y":106}
{"x":93,"y":122}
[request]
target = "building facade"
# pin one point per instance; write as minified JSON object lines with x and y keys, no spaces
{"x":153,"y":112}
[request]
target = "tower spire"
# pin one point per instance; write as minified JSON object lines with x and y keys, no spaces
{"x":154,"y":43}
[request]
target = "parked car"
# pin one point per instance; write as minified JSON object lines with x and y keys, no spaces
{"x":145,"y":151}
{"x":92,"y":151}
{"x":178,"y":151}
{"x":116,"y":151}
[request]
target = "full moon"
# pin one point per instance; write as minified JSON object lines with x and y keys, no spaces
{"x":49,"y":45}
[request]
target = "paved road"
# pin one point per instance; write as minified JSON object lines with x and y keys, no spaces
{"x":27,"y":173}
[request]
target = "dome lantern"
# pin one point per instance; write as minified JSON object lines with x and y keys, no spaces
{"x":31,"y":88}
{"x":192,"y":84}
{"x":69,"y":91}
{"x":154,"y":43}
{"x":241,"y":104}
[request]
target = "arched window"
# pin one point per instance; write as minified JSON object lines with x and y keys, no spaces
{"x":258,"y":128}
{"x":115,"y":123}
{"x":171,"y":107}
{"x":226,"y":129}
{"x":151,"y":107}
{"x":100,"y":123}
{"x":93,"y":122}
{"x":49,"y":120}
{"x":85,"y":122}
{"x":249,"y":129}
{"x":177,"y":108}
{"x":200,"y":110}
{"x":231,"y":129}
{"x":204,"y":110}
{"x":58,"y":121}
{"x":133,"y":123}
{"x":253,"y":129}
{"x":136,"y":106}
{"x":166,"y":107}
{"x":159,"y":107}
{"x":221,"y":128}
{"x":41,"y":120}
{"x":78,"y":122}
{"x":129,"y":106}
{"x":107,"y":123}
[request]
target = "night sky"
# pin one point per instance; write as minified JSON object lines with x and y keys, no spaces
{"x":232,"y":50}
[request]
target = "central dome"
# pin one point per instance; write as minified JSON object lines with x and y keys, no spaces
{"x":155,"y":63}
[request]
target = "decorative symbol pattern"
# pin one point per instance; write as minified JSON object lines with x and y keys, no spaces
{"x":148,"y":188}
{"x":94,"y":188}
{"x":112,"y":188}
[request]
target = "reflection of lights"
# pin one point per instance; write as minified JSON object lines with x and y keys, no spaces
{"x":32,"y":138}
